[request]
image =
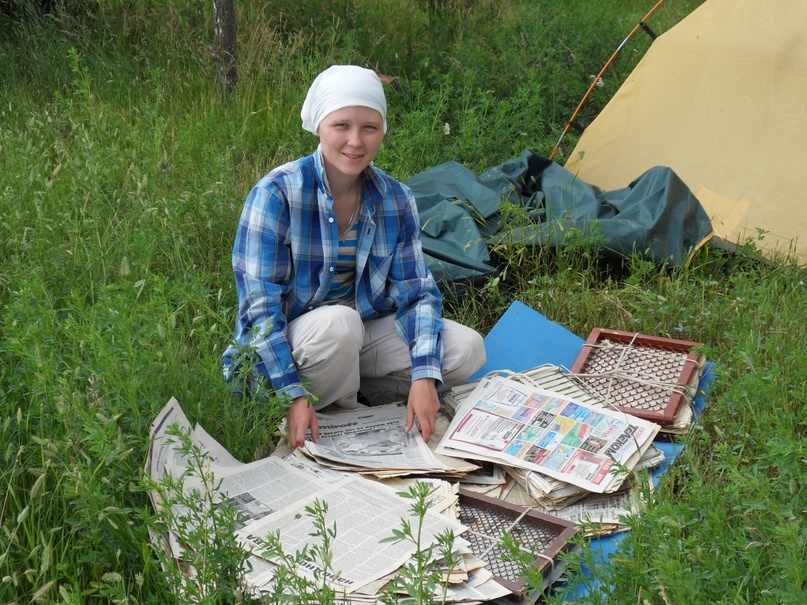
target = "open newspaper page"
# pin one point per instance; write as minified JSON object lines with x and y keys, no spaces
{"x":372,"y":438}
{"x":259,"y":488}
{"x":262,"y":487}
{"x":162,"y":459}
{"x":271,"y":495}
{"x":165,"y":459}
{"x":364,"y":512}
{"x":521,"y":425}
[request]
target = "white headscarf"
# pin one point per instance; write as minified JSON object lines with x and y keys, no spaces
{"x":342,"y":86}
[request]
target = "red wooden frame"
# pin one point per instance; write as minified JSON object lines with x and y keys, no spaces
{"x":637,"y":344}
{"x":495,"y":517}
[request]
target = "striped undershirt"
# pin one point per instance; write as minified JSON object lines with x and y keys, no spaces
{"x":342,"y":290}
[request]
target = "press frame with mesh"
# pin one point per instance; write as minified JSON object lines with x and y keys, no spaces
{"x":513,"y":517}
{"x":679,"y":392}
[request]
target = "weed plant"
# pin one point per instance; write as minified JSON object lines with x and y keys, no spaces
{"x":291,"y":586}
{"x":424,"y":579}
{"x":123,"y":177}
{"x":213,"y":561}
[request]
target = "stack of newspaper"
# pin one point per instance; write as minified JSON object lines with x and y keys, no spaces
{"x":271,"y":495}
{"x":374,"y":441}
{"x":595,"y":514}
{"x":490,"y":479}
{"x":534,"y":439}
{"x":570,"y":455}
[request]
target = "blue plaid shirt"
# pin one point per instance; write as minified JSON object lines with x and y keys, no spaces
{"x":284,"y":259}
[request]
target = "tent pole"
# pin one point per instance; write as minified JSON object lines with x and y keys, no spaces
{"x":640,"y":24}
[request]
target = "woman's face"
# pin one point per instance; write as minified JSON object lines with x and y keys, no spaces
{"x":350,"y":138}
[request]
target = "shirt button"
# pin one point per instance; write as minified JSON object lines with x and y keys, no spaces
{"x":311,"y":308}
{"x":330,"y":219}
{"x":330,"y":269}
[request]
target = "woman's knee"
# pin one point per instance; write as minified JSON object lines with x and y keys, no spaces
{"x":323,"y":333}
{"x":343,"y":323}
{"x":463,"y":353}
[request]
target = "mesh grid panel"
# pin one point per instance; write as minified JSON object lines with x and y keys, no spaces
{"x":662,"y":367}
{"x":485,"y":530}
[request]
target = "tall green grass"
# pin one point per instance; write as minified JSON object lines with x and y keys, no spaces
{"x":123,"y":176}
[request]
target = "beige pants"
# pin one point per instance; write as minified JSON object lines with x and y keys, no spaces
{"x":337,"y":354}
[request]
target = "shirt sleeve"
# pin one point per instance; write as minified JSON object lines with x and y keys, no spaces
{"x":263,"y":272}
{"x":419,"y":304}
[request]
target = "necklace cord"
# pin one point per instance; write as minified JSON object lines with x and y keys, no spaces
{"x":353,"y":214}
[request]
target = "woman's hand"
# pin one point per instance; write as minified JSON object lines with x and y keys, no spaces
{"x":423,"y":404}
{"x":300,"y":418}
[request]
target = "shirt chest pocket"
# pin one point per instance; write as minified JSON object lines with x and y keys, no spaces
{"x":378,"y":270}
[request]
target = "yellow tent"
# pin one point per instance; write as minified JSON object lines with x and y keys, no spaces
{"x":721,"y":98}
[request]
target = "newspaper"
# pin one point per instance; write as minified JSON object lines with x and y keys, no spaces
{"x":365,"y":511}
{"x":518,"y":424}
{"x":271,"y":495}
{"x":598,"y":513}
{"x":163,"y":460}
{"x":265,"y":486}
{"x":372,"y":439}
{"x":443,"y":494}
{"x":451,"y":467}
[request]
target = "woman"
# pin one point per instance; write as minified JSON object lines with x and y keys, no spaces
{"x":333,"y":292}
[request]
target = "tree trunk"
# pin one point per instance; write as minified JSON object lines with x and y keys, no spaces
{"x":224,"y":48}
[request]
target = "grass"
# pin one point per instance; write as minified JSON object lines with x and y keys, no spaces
{"x":123,"y":178}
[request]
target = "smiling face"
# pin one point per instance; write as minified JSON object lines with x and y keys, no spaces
{"x":350,"y":138}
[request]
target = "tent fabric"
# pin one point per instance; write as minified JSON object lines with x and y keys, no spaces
{"x":720,"y":99}
{"x":461,"y":213}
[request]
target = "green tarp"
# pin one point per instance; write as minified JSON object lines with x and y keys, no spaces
{"x":462,"y":214}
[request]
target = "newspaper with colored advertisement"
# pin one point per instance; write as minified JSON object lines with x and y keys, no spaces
{"x":523,"y":425}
